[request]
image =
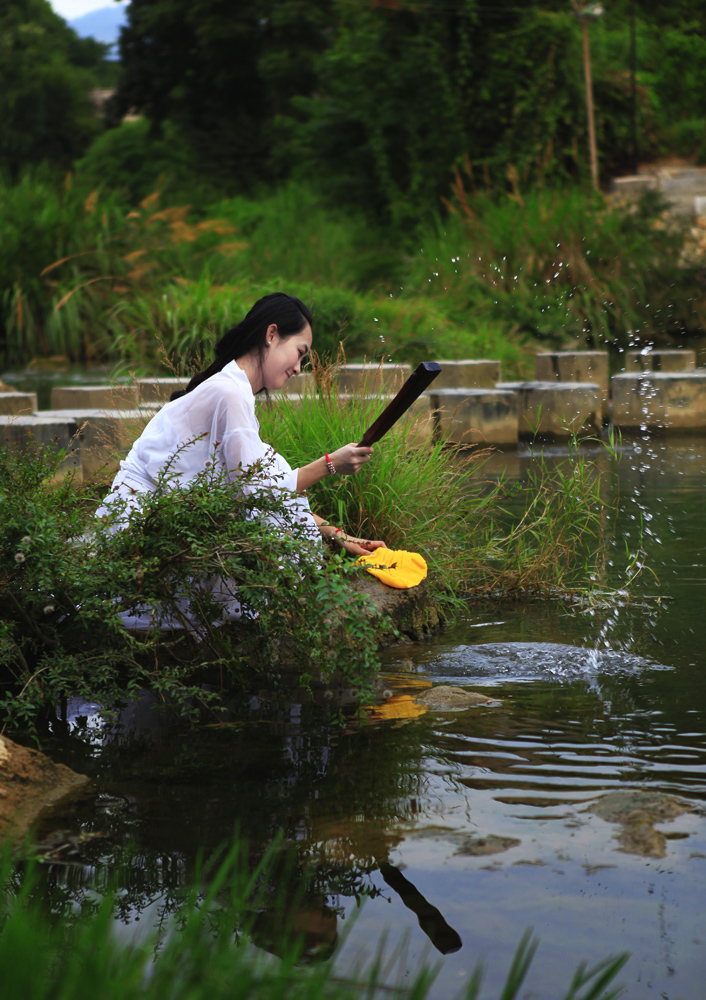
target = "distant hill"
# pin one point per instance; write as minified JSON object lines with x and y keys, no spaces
{"x":104,"y":24}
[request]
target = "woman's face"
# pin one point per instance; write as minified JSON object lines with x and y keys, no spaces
{"x":283,"y":356}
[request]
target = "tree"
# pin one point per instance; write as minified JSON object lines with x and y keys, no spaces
{"x":46,"y":72}
{"x":223,"y":73}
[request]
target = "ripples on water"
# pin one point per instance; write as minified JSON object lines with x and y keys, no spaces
{"x":488,"y":811}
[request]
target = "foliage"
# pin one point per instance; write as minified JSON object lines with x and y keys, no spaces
{"x":186,"y":552}
{"x":223,"y":76}
{"x":80,"y":254}
{"x":419,"y":494}
{"x":46,"y":72}
{"x":209,"y":950}
{"x":563,"y":265}
{"x":131,"y":161}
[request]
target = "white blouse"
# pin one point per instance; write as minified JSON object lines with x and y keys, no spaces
{"x":215,"y":423}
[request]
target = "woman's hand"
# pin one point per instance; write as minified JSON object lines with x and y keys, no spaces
{"x":350,"y":459}
{"x":358,"y":546}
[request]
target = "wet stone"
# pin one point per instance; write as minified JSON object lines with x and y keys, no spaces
{"x":637,"y":812}
{"x":29,"y":784}
{"x":477,"y":847}
{"x":447,"y":698}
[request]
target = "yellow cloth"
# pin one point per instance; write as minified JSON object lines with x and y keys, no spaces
{"x":395,"y":568}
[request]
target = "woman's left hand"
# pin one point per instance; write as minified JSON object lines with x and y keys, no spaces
{"x":359,"y":546}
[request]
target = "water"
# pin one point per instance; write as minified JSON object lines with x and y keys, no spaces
{"x":462,"y":829}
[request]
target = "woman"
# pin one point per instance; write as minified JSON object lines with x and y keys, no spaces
{"x":213,"y":420}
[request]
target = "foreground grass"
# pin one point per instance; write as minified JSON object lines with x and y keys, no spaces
{"x":210,"y":949}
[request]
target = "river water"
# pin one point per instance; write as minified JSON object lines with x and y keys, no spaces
{"x":459,"y":830}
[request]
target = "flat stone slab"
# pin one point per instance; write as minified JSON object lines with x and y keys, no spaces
{"x":158,"y":390}
{"x":17,"y":402}
{"x":57,"y":432}
{"x":683,"y":360}
{"x":475,"y":416}
{"x":575,"y":366}
{"x":94,"y":397}
{"x":30,"y":783}
{"x":480,"y":374}
{"x":665,"y":401}
{"x":371,"y":378}
{"x":557,"y":410}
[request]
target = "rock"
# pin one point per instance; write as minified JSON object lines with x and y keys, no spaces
{"x":29,"y":784}
{"x":636,"y":812}
{"x":414,"y":612}
{"x":445,"y":698}
{"x":475,"y":846}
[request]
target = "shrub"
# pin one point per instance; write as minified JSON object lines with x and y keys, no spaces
{"x":65,"y":577}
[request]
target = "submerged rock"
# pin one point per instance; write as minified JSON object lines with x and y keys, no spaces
{"x":29,"y":783}
{"x":475,"y":846}
{"x":637,"y":812}
{"x":447,"y":698}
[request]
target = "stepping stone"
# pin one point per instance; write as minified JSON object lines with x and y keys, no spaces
{"x":104,"y":436}
{"x":158,"y":390}
{"x":660,"y":361}
{"x":481,"y":374}
{"x":475,"y":416}
{"x":94,"y":397}
{"x":371,"y":378}
{"x":51,"y":431}
{"x":667,"y":401}
{"x":556,"y":410}
{"x":17,"y":402}
{"x":575,"y":366}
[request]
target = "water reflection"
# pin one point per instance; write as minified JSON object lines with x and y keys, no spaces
{"x":463,"y":828}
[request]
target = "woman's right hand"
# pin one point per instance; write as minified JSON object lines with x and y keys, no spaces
{"x":350,"y":459}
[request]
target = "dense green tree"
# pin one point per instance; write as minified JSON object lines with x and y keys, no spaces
{"x":223,"y":73}
{"x":46,"y":72}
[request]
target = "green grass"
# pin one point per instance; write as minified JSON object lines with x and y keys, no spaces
{"x":419,"y":494}
{"x":82,"y":274}
{"x":208,"y":950}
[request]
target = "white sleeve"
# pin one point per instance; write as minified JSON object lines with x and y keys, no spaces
{"x":242,"y":446}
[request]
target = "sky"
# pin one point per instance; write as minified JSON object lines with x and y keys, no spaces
{"x":75,"y":8}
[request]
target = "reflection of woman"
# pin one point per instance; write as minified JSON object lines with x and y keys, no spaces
{"x":213,"y":420}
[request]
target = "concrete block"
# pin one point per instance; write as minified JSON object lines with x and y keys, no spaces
{"x":475,"y":416}
{"x":575,"y":366}
{"x":17,"y":402}
{"x":158,"y":390}
{"x":634,"y":186}
{"x":371,"y":378}
{"x":94,"y":397}
{"x":104,"y":436}
{"x":668,"y":401}
{"x":683,"y":360}
{"x":299,"y":384}
{"x":58,"y":433}
{"x":556,"y":410}
{"x":481,"y":374}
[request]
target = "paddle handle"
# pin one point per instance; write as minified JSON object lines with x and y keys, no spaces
{"x":422,"y":376}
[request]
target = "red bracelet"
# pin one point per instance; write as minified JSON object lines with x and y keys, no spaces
{"x":330,"y":466}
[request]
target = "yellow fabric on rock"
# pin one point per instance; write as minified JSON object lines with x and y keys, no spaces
{"x":395,"y":568}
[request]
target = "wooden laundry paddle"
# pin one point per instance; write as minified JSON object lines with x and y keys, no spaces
{"x":422,"y":376}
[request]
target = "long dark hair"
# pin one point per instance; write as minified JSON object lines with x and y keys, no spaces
{"x":290,"y":315}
